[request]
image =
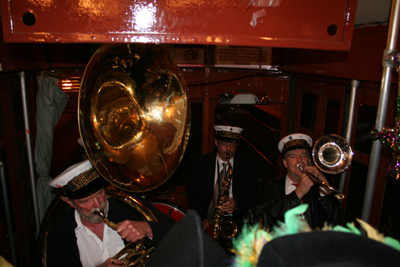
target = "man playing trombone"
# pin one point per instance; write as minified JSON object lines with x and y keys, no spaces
{"x":298,"y":187}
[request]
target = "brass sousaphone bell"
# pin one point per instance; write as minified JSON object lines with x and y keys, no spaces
{"x":134,"y":116}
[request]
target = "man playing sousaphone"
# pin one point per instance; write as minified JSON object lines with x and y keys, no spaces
{"x":81,"y":237}
{"x":297,"y":187}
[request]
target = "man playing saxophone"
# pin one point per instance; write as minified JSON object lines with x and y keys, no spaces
{"x":208,"y":172}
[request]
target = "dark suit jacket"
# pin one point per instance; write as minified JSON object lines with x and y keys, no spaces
{"x":62,"y":249}
{"x":200,"y":184}
{"x":275,"y":202}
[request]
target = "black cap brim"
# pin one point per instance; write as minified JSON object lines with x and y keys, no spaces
{"x":230,"y":140}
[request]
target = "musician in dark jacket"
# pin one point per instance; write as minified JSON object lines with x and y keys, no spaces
{"x":81,"y":237}
{"x":281,"y":195}
{"x":205,"y":178}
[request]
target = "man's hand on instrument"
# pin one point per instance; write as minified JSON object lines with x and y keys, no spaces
{"x":111,"y":262}
{"x":315,"y":171}
{"x":305,"y":183}
{"x":230,"y":206}
{"x":132,"y":231}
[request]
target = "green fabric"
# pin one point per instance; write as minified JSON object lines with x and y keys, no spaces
{"x":50,"y":104}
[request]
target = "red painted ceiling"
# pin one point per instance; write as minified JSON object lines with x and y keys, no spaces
{"x":311,"y":24}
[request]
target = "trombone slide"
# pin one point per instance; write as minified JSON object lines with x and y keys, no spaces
{"x":335,"y":192}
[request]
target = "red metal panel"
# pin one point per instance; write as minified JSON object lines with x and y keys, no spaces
{"x":273,"y":23}
{"x":362,"y":62}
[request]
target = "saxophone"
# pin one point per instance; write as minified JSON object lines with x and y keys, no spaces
{"x":222,"y":227}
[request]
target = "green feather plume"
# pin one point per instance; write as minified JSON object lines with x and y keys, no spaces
{"x":248,"y":245}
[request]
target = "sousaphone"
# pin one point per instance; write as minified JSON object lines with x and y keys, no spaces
{"x":134,"y":115}
{"x":134,"y":120}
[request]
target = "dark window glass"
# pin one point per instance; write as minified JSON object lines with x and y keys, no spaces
{"x":389,"y":223}
{"x":18,"y":110}
{"x":25,"y":191}
{"x":3,"y":159}
{"x":1,"y":122}
{"x":332,"y":116}
{"x":308,"y":108}
{"x":365,"y":123}
{"x":356,"y":191}
{"x":261,"y":132}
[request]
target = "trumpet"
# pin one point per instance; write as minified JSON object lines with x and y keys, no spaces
{"x":331,"y":154}
{"x":335,"y":192}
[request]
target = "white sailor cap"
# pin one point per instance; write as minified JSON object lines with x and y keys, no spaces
{"x":294,"y":141}
{"x":78,"y":181}
{"x":228,"y":133}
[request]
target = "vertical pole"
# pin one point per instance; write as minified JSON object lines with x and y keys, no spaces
{"x":350,"y":123}
{"x":8,"y":214}
{"x":387,"y":64}
{"x":29,"y":148}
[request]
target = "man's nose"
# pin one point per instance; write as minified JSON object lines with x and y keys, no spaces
{"x":96,"y":202}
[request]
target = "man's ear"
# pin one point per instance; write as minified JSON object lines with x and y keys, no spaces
{"x":68,"y":201}
{"x":285,"y":163}
{"x":215,"y":141}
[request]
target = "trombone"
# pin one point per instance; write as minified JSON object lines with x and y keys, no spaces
{"x":333,"y":155}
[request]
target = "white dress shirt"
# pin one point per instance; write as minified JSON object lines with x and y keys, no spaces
{"x":289,"y":187}
{"x":92,"y":250}
{"x":219,"y":162}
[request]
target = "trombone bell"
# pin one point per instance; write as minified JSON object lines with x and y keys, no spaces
{"x":332,"y":154}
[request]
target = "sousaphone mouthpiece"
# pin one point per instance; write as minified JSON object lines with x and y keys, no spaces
{"x":100,"y":212}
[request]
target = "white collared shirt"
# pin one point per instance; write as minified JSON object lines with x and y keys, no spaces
{"x":92,"y":250}
{"x":219,"y":162}
{"x":289,"y":187}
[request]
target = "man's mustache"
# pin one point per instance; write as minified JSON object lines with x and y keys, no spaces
{"x":102,"y":207}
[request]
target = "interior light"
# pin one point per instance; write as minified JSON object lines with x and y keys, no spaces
{"x":71,"y":84}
